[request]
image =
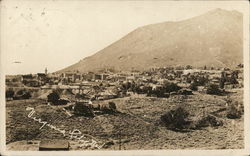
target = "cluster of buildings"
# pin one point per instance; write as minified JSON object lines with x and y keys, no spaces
{"x":107,"y":85}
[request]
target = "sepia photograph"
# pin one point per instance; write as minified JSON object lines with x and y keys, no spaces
{"x":124,"y":75}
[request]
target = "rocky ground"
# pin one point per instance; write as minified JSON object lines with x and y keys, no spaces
{"x":136,"y":126}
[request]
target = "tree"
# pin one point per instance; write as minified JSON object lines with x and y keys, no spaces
{"x":80,"y":96}
{"x":53,"y":97}
{"x":234,"y":76}
{"x":179,"y":68}
{"x":159,"y":92}
{"x":9,"y":93}
{"x":240,"y":65}
{"x":82,"y":109}
{"x":58,"y":90}
{"x":22,"y":94}
{"x":234,"y":111}
{"x":193,"y":86}
{"x":26,"y":95}
{"x":213,"y":89}
{"x":175,"y":119}
{"x":201,"y":80}
{"x":222,"y":83}
{"x":223,"y":79}
{"x":170,"y":87}
{"x":189,"y":67}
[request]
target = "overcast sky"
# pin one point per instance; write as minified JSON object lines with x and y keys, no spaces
{"x":56,"y":34}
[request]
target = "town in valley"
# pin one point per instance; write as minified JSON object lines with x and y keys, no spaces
{"x":164,"y":86}
{"x":124,"y":110}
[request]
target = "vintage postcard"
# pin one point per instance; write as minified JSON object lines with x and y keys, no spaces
{"x":124,"y":77}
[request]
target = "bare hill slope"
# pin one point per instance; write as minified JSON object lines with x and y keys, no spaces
{"x":212,"y":39}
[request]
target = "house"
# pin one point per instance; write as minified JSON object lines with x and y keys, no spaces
{"x":201,"y":89}
{"x":41,"y":75}
{"x":88,"y":76}
{"x":100,"y":76}
{"x":130,"y":78}
{"x":107,"y":94}
{"x":69,"y":76}
{"x":27,"y":77}
{"x":121,"y":78}
{"x":161,"y":81}
{"x":215,"y":81}
{"x":155,"y":86}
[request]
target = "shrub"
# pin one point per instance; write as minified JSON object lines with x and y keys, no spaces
{"x":189,"y":67}
{"x":158,"y":92}
{"x":206,"y":121}
{"x":233,"y":80}
{"x":185,"y":92}
{"x":80,"y":96}
{"x":170,"y":87}
{"x":26,"y":95}
{"x":193,"y":86}
{"x":58,"y":91}
{"x":112,"y":105}
{"x":61,"y":102}
{"x":222,"y":83}
{"x":179,"y":119}
{"x":202,"y":80}
{"x":83,"y":109}
{"x":234,"y":111}
{"x":22,"y":94}
{"x":213,"y":89}
{"x":175,"y":119}
{"x":9,"y":93}
{"x":108,"y":108}
{"x":53,"y":97}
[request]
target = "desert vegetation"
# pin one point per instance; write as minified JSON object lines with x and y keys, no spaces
{"x":150,"y":110}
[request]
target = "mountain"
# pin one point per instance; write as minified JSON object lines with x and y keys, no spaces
{"x":212,"y":39}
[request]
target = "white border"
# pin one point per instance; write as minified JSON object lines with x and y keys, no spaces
{"x":245,"y":151}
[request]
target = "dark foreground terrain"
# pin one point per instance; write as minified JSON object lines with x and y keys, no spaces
{"x":136,"y":126}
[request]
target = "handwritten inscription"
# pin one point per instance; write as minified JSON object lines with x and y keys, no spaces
{"x":83,"y":139}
